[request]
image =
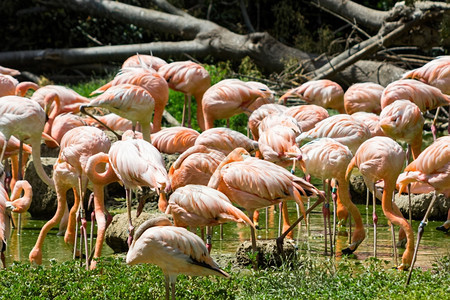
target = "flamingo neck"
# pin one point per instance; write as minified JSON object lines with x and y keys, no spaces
{"x":104,"y":178}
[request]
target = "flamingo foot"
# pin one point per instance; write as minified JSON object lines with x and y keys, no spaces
{"x":351,"y":248}
{"x":442,"y":228}
{"x":403,"y":267}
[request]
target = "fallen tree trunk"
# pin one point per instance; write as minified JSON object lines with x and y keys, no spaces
{"x":202,"y":38}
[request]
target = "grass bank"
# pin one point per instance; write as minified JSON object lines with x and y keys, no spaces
{"x":305,"y":278}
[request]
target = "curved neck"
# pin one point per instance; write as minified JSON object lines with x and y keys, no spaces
{"x":104,"y":178}
{"x":23,"y":87}
{"x":232,"y":157}
{"x":22,"y":185}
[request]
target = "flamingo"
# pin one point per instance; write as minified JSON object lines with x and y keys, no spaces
{"x":137,"y":61}
{"x":21,"y":204}
{"x":191,"y":79}
{"x":343,"y":128}
{"x":129,"y":101}
{"x":425,"y":96}
{"x":431,"y":167}
{"x":9,"y":71}
{"x":231,"y":97}
{"x":435,"y":73}
{"x":7,"y":85}
{"x":138,"y":163}
{"x":196,"y":205}
{"x":253,"y":183}
{"x":195,"y":166}
{"x":371,"y":120}
{"x":12,"y":151}
{"x":260,"y":113}
{"x":364,"y":97}
{"x":307,"y":115}
{"x":61,"y":124}
{"x":174,"y":139}
{"x":58,"y":99}
{"x":277,"y":134}
{"x":99,"y":181}
{"x":174,"y":249}
{"x":225,"y":140}
{"x":113,"y":121}
{"x":151,"y":81}
{"x":323,"y":92}
{"x":402,"y":120}
{"x":326,"y":158}
{"x":25,"y":119}
{"x":382,"y":158}
{"x":5,"y":220}
{"x":77,"y":146}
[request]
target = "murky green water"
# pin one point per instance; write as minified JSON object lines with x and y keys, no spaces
{"x":434,"y":243}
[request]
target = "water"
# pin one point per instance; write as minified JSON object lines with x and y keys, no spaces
{"x":434,"y":244}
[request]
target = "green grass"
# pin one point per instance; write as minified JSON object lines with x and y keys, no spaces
{"x":305,"y":278}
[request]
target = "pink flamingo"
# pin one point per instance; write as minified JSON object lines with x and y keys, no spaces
{"x":113,"y":121}
{"x":435,"y":73}
{"x":174,"y":249}
{"x":136,"y":61}
{"x":402,"y":120}
{"x":225,"y":140}
{"x":174,"y":139}
{"x":25,"y":119}
{"x":363,"y":96}
{"x":9,"y":71}
{"x":129,"y":101}
{"x":138,"y":163}
{"x":196,"y":205}
{"x":431,"y":167}
{"x":425,"y":96}
{"x":61,"y":124}
{"x":77,"y":146}
{"x":343,"y":128}
{"x":324,"y":92}
{"x":307,"y":115}
{"x":371,"y":120}
{"x":100,"y":180}
{"x":326,"y":158}
{"x":253,"y":183}
{"x":193,"y":166}
{"x":382,"y":158}
{"x":191,"y":79}
{"x":153,"y":82}
{"x":260,"y":113}
{"x":231,"y":97}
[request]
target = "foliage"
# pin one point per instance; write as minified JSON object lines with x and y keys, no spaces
{"x":307,"y":277}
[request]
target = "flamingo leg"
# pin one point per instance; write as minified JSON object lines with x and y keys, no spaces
{"x":209,"y":238}
{"x":325,"y":213}
{"x":375,"y":221}
{"x":420,"y":231}
{"x":130,"y":224}
{"x":167,"y":285}
{"x":35,"y":255}
{"x":183,"y":118}
{"x":173,"y":290}
{"x":253,"y":236}
{"x":102,"y":222}
{"x":83,"y":110}
{"x":189,"y":111}
{"x":433,"y":125}
{"x":280,"y":239}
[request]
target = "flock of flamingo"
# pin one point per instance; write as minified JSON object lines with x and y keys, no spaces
{"x":216,"y":175}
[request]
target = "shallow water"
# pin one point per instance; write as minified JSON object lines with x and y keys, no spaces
{"x":434,"y":243}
